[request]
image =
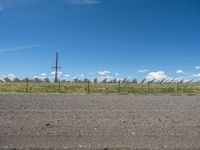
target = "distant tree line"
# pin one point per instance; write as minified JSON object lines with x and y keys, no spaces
{"x":76,"y":80}
{"x":96,"y":80}
{"x":6,"y":79}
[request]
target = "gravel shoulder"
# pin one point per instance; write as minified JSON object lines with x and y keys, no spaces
{"x":99,"y":122}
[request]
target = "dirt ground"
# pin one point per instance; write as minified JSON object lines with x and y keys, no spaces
{"x":99,"y":122}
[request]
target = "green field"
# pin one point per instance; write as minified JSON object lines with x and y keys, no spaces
{"x":106,"y":88}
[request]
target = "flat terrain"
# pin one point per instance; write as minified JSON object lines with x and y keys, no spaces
{"x":99,"y":122}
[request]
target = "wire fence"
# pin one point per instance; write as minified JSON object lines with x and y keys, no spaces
{"x":101,"y":88}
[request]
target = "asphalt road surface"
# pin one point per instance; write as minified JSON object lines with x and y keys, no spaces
{"x":99,"y":122}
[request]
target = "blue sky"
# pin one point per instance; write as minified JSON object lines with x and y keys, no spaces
{"x":136,"y":38}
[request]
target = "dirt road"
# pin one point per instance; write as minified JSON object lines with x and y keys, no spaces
{"x":99,"y":122}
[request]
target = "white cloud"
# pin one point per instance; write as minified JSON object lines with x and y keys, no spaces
{"x":84,"y":2}
{"x":81,"y":75}
{"x":117,"y":74}
{"x":43,"y":74}
{"x":196,"y":75}
{"x":183,"y":79}
{"x":159,"y":75}
{"x":67,"y":75}
{"x":75,"y":77}
{"x":11,"y":76}
{"x":104,"y":73}
{"x":59,"y":73}
{"x":197,"y":67}
{"x":177,"y":79}
{"x":180,"y":71}
{"x":109,"y":78}
{"x":92,"y":73}
{"x":143,"y":70}
{"x":39,"y":77}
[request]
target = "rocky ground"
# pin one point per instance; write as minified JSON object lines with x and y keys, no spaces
{"x":99,"y":122}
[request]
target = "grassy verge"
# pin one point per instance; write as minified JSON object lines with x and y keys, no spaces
{"x":108,"y":88}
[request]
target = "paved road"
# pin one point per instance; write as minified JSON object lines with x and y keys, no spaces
{"x":99,"y":122}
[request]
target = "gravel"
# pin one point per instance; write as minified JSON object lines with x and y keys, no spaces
{"x":99,"y":122}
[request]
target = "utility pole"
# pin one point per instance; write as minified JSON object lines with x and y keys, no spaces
{"x":119,"y":86}
{"x":56,"y":69}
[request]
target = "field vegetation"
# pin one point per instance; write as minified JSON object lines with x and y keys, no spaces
{"x":101,"y":88}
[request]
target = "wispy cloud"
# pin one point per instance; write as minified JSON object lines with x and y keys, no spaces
{"x":83,"y":2}
{"x":19,"y":48}
{"x":1,"y":8}
{"x":143,"y":70}
{"x":9,"y":4}
{"x":104,"y":73}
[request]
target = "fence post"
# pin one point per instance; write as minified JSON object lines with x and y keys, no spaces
{"x":177,"y":88}
{"x":88,"y":87}
{"x":119,"y":86}
{"x":59,"y":86}
{"x":148,"y":87}
{"x":27,"y":86}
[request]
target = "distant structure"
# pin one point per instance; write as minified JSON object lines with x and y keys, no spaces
{"x":56,"y":68}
